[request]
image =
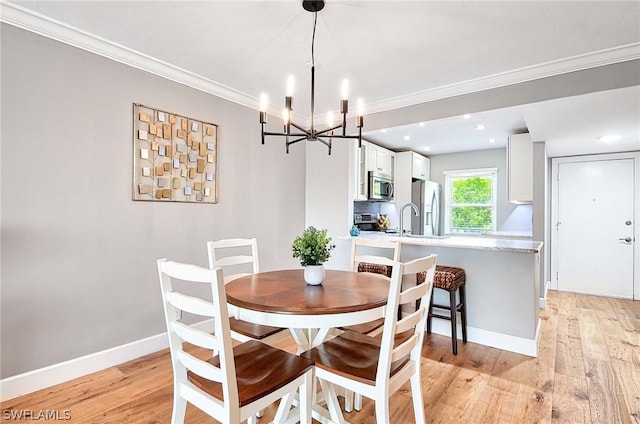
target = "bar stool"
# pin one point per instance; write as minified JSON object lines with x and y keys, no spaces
{"x":451,"y":279}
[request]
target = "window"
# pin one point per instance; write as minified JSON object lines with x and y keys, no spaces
{"x":470,"y":201}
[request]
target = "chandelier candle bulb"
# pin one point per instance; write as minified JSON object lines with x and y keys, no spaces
{"x":264,"y":102}
{"x":345,"y":89}
{"x":290,"y":84}
{"x":264,"y":105}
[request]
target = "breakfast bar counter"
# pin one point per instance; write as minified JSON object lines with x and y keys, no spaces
{"x":481,"y":242}
{"x":502,"y":285}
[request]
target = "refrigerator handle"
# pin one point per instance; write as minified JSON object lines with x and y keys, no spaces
{"x":433,"y":215}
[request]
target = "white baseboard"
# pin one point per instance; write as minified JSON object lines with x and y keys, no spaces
{"x":543,"y":299}
{"x":502,"y":341}
{"x":28,"y":382}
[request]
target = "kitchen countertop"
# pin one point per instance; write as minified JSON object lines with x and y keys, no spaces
{"x":461,"y":242}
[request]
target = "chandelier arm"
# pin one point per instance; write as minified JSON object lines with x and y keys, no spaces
{"x":285,"y":134}
{"x":326,"y":143}
{"x":293,"y":124}
{"x":288,"y":143}
{"x":323,"y":132}
{"x":352,"y":137}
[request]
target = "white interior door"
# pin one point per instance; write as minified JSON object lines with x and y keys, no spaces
{"x":595,"y":227}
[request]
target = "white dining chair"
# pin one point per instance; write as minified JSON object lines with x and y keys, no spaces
{"x":374,"y":263}
{"x":377,"y":264}
{"x":238,"y":257}
{"x":376,"y":367}
{"x":240,"y":381}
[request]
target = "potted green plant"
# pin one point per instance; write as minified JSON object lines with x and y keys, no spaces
{"x":313,"y":248}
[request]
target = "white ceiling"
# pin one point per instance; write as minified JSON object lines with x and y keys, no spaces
{"x":395,"y":53}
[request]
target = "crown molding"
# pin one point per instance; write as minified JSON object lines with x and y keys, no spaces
{"x":30,"y":20}
{"x":544,"y":70}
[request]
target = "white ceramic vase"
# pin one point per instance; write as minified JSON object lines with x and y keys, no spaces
{"x":314,"y":274}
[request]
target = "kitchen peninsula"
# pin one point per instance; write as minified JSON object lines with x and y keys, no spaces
{"x":502,"y":286}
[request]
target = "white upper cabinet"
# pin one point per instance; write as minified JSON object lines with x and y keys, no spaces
{"x":520,"y":169}
{"x":371,"y":157}
{"x":419,"y":166}
{"x":380,"y":159}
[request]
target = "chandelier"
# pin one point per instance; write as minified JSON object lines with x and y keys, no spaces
{"x":326,"y":135}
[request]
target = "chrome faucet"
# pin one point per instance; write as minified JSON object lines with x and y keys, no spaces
{"x":416,"y":212}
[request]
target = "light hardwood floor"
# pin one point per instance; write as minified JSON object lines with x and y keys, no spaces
{"x":587,"y":371}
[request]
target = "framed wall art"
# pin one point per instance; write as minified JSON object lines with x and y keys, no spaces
{"x":174,"y":157}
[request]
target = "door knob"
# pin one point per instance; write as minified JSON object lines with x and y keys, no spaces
{"x":626,"y":239}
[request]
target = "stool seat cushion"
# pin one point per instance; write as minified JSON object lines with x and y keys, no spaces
{"x":375,"y":268}
{"x":446,"y":277}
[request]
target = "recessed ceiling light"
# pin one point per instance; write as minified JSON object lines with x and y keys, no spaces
{"x":480,"y":127}
{"x":466,"y":116}
{"x":426,"y":148}
{"x":422,"y":124}
{"x":406,"y":137}
{"x":609,"y":138}
{"x":384,"y":130}
{"x":492,"y":140}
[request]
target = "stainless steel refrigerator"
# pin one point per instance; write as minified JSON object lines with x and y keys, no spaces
{"x":426,"y":195}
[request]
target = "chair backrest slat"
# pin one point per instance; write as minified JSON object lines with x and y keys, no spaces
{"x":200,"y":367}
{"x":404,"y":349}
{"x":234,"y":260}
{"x":379,"y":260}
{"x":229,"y":253}
{"x":409,"y":321}
{"x":191,"y":304}
{"x":390,"y":249}
{"x":196,"y":337}
{"x":413,"y":293}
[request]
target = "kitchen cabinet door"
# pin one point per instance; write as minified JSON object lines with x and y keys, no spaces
{"x":379,"y":159}
{"x":420,"y":167}
{"x":520,"y":169}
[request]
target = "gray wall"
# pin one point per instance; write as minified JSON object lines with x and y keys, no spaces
{"x":78,"y":255}
{"x":510,"y":216}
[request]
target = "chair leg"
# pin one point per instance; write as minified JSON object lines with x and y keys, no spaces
{"x":463,"y":313}
{"x":283,"y":409}
{"x":454,"y":314}
{"x":348,"y":400}
{"x":430,"y":312}
{"x":382,"y":410}
{"x":416,"y":396}
{"x":331,"y":400}
{"x":357,"y":404}
{"x":307,"y":398}
{"x":179,"y":408}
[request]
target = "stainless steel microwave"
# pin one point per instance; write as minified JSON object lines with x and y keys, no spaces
{"x":380,"y":186}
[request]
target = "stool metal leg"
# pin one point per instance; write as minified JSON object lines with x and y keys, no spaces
{"x":463,"y":312}
{"x":454,"y":313}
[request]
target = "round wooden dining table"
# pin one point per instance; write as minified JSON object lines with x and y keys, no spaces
{"x":284,"y":299}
